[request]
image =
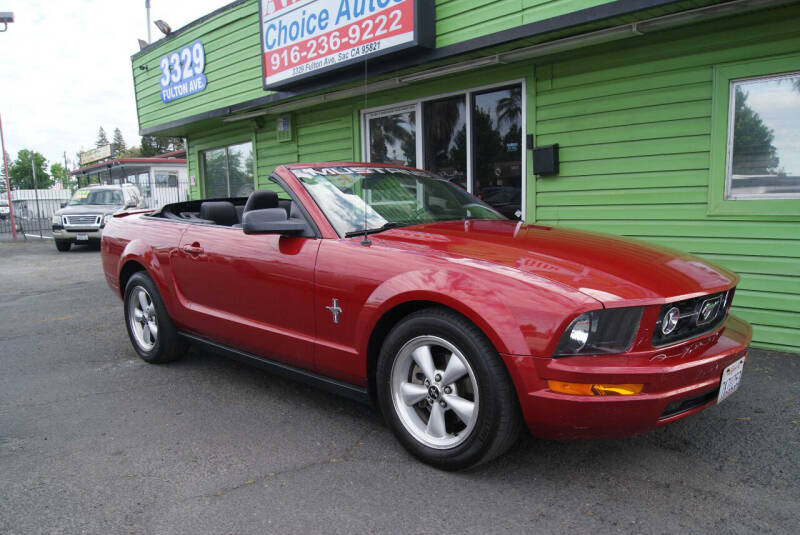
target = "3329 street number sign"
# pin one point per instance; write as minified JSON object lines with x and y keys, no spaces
{"x":182,"y":72}
{"x":304,"y":38}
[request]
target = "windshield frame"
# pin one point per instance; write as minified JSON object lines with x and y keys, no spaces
{"x":303,"y":172}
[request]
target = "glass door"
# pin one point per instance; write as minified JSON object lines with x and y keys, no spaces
{"x":445,"y":138}
{"x":472,"y":138}
{"x":497,"y":149}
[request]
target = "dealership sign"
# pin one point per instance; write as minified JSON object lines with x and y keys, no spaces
{"x":303,"y":38}
{"x":182,"y":72}
{"x":95,"y":155}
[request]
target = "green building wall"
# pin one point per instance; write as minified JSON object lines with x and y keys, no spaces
{"x":233,"y":67}
{"x":232,"y":44}
{"x":635,"y":124}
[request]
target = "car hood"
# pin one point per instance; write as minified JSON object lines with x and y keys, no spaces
{"x":89,"y":209}
{"x":613,"y":270}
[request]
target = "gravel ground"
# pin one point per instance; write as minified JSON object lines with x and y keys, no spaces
{"x":93,"y":440}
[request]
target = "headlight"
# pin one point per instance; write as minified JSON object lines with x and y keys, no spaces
{"x":106,"y":219}
{"x":57,"y":220}
{"x":600,"y":332}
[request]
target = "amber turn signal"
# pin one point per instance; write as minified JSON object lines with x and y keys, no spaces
{"x":584,"y":389}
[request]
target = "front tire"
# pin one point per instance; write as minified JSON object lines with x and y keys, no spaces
{"x":63,"y":245}
{"x":150,"y":328}
{"x":445,"y":392}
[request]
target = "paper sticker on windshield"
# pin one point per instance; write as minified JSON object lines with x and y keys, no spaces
{"x":344,"y":181}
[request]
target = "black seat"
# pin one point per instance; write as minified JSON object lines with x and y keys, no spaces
{"x":260,"y":199}
{"x":220,"y":212}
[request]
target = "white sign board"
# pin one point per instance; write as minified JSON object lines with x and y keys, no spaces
{"x":95,"y":155}
{"x":303,"y":38}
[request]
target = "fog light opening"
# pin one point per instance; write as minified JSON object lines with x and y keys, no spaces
{"x":596,"y":389}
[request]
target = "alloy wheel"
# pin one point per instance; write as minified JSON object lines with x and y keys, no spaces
{"x":142,"y":318}
{"x":434,"y":392}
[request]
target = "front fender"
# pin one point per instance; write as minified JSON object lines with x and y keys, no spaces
{"x":457,"y":290}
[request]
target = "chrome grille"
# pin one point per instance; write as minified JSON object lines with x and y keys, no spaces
{"x":82,"y":220}
{"x":697,"y":316}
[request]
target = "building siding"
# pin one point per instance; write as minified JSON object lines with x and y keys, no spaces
{"x":459,"y":20}
{"x":233,"y":61}
{"x":324,"y":133}
{"x":233,"y":67}
{"x":633,"y":122}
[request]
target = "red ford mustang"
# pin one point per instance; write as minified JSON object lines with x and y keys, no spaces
{"x":393,"y":286}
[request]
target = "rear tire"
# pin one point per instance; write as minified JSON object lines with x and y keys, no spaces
{"x":150,"y":328}
{"x":445,"y":392}
{"x":63,"y":245}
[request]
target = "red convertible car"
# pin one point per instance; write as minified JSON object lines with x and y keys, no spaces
{"x":393,"y":286}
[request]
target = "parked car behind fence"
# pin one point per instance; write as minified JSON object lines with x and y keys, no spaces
{"x":34,"y":209}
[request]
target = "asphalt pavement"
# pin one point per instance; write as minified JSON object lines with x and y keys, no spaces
{"x":94,"y":440}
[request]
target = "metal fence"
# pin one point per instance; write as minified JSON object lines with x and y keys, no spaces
{"x":34,"y":209}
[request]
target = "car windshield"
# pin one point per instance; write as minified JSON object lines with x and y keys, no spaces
{"x":392,"y":197}
{"x":96,"y":196}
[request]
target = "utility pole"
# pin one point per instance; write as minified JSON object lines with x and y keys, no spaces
{"x":36,"y":192}
{"x":8,"y":185}
{"x":147,"y":8}
{"x":66,"y":172}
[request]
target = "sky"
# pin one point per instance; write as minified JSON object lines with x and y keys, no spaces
{"x":778,"y":104}
{"x":66,"y":69}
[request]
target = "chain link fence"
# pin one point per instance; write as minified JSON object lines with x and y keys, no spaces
{"x":34,"y":209}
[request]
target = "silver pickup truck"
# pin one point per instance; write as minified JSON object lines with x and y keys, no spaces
{"x":83,"y":218}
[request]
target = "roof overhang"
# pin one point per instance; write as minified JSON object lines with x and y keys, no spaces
{"x":499,"y":47}
{"x":128,"y":162}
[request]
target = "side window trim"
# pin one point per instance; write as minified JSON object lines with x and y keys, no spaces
{"x":310,"y":220}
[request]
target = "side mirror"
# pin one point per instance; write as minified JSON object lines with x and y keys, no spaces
{"x":63,"y":204}
{"x":271,"y":221}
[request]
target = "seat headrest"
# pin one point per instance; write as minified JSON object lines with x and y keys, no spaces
{"x":260,"y":199}
{"x":220,"y":212}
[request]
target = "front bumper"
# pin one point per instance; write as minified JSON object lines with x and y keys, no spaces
{"x":92,"y":234}
{"x":689,"y":372}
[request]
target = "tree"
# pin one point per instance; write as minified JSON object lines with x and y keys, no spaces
{"x":154,"y":145}
{"x":59,"y":173}
{"x":102,"y":139}
{"x":753,"y":151}
{"x":487,"y":147}
{"x":440,"y":122}
{"x":509,"y":109}
{"x":389,"y":131}
{"x":20,"y":173}
{"x":130,"y":152}
{"x":118,"y":143}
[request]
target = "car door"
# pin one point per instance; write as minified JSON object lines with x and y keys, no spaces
{"x":251,"y":292}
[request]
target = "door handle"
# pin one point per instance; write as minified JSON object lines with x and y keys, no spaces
{"x":193,"y":249}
